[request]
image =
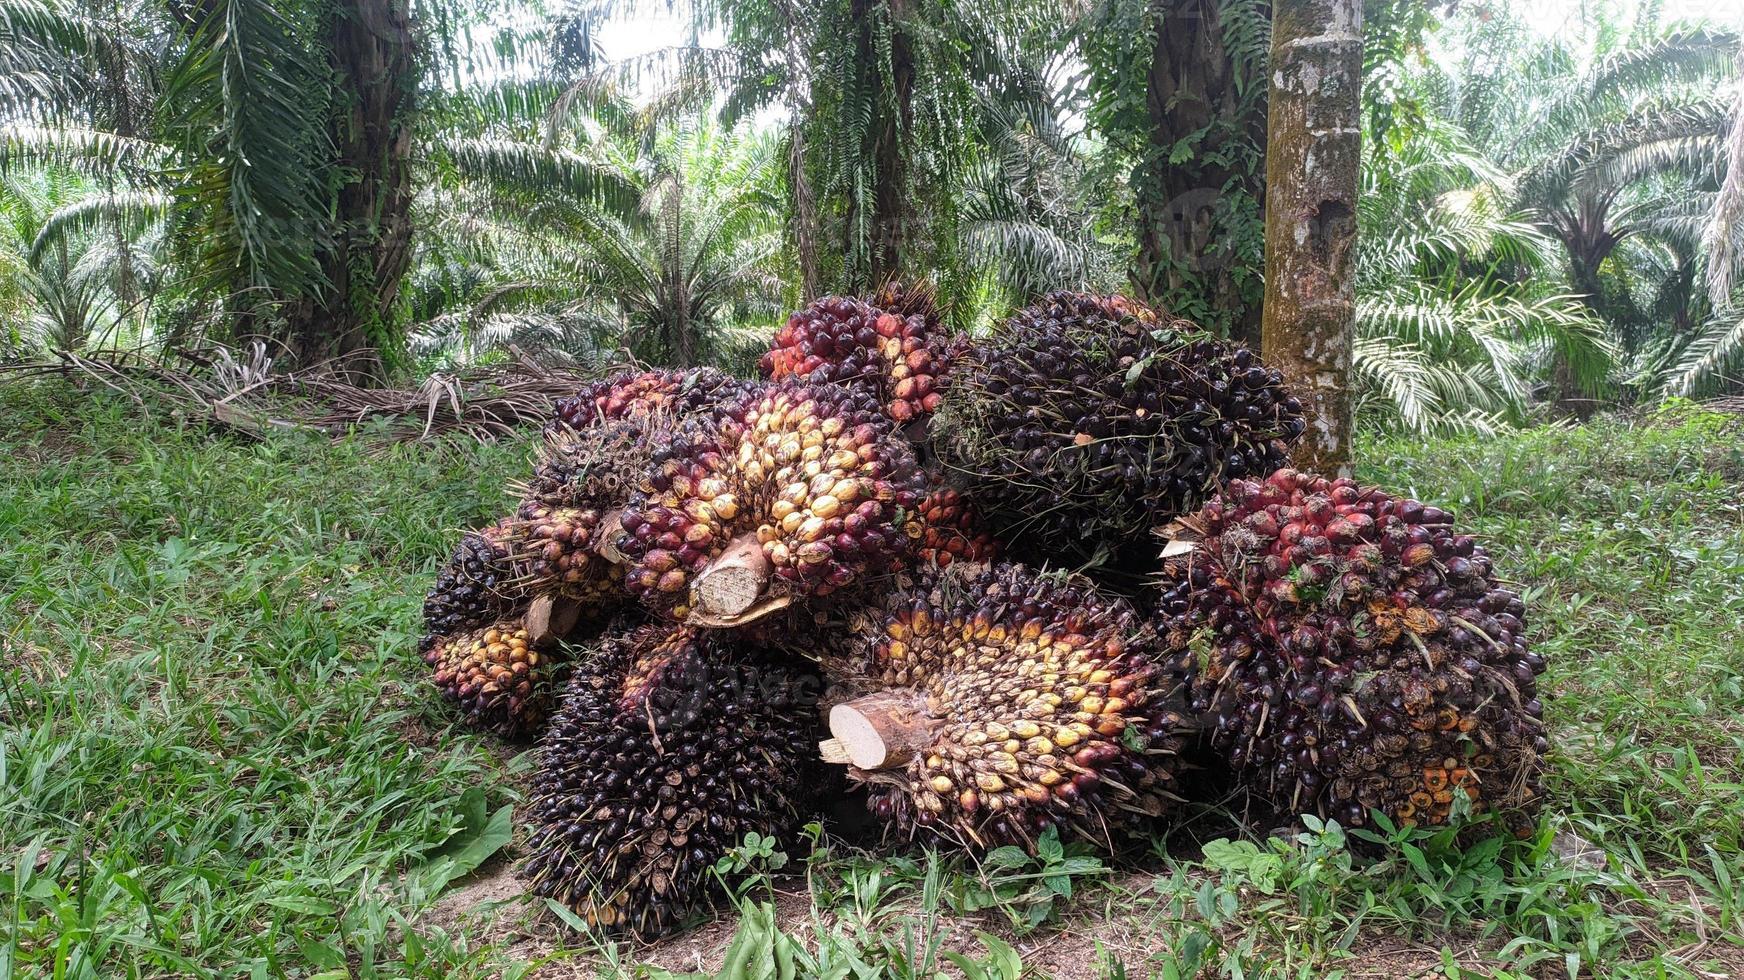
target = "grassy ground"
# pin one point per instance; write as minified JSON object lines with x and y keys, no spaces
{"x":219,"y":758}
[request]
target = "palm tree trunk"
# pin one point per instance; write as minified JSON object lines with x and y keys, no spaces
{"x":891,"y":207}
{"x":371,"y":51}
{"x":1194,"y":94}
{"x":805,"y":227}
{"x":1313,"y":158}
{"x":1584,"y":258}
{"x":680,"y":294}
{"x":805,"y":221}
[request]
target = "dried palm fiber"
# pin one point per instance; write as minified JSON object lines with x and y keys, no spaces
{"x":1005,"y":701}
{"x":1355,"y":652}
{"x":792,"y":490}
{"x":670,"y":745}
{"x":1085,"y":421}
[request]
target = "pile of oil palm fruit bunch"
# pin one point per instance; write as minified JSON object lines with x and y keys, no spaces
{"x":1051,"y":580}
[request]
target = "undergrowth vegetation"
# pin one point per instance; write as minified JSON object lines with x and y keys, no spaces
{"x":218,"y":756}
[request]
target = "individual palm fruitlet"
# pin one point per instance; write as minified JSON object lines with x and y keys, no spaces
{"x":1356,"y":653}
{"x":502,"y":684}
{"x":629,"y":393}
{"x":478,"y":584}
{"x":894,"y":351}
{"x":802,"y":487}
{"x":1005,"y":702}
{"x":1089,"y":420}
{"x":669,"y":747}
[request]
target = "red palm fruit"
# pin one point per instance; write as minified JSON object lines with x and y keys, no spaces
{"x":950,"y":531}
{"x":892,"y":345}
{"x":629,"y":393}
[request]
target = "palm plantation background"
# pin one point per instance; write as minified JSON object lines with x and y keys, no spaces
{"x":1545,"y":226}
{"x":218,"y":753}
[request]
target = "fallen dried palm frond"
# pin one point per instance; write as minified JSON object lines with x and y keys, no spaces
{"x":245,"y":395}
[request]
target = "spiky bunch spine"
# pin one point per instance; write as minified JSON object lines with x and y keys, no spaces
{"x":669,"y":747}
{"x":952,"y":531}
{"x":814,"y":472}
{"x":895,"y":352}
{"x":1089,"y":418}
{"x":502,"y":684}
{"x":580,"y":476}
{"x":595,"y":467}
{"x":1357,"y":653}
{"x":479,"y":583}
{"x":630,"y":393}
{"x":1051,"y":708}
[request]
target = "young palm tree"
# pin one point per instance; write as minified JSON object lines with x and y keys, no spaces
{"x":1457,"y":319}
{"x":75,"y":265}
{"x":1606,"y":145}
{"x":668,"y":241}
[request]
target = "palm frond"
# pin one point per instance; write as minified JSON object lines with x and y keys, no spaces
{"x":248,"y":103}
{"x":1717,"y":348}
{"x":537,"y":169}
{"x":1726,"y":223}
{"x":129,"y":210}
{"x":84,"y":150}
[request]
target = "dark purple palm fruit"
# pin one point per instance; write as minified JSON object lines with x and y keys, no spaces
{"x":478,"y":584}
{"x":1354,"y":652}
{"x":1001,"y":702}
{"x":670,"y":745}
{"x":792,"y":490}
{"x":1091,"y":419}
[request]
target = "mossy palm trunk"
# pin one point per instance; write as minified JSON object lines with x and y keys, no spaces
{"x":1195,"y":214}
{"x":1312,"y":164}
{"x":371,"y":53}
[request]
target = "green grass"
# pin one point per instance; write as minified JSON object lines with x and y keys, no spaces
{"x":219,"y":758}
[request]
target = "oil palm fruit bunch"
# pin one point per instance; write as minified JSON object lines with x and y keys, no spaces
{"x":793,"y":489}
{"x":1356,"y":653}
{"x":478,"y":584}
{"x":669,"y":747}
{"x":893,"y":351}
{"x":502,"y":684}
{"x":1004,"y":702}
{"x":952,"y":531}
{"x":1088,"y":419}
{"x":628,"y":393}
{"x":566,"y":525}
